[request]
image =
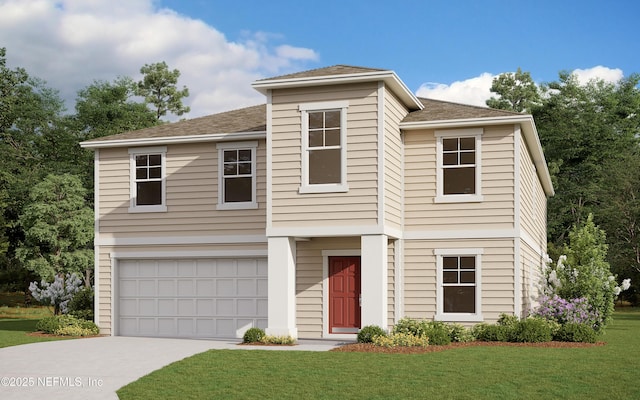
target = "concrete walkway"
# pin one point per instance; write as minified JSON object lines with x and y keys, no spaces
{"x":95,"y":368}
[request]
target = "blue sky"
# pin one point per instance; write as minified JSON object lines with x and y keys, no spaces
{"x":442,"y":49}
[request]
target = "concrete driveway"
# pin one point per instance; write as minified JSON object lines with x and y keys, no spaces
{"x":95,"y":368}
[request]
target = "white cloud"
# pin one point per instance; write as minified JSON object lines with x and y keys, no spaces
{"x":70,"y":43}
{"x":473,"y":91}
{"x":611,"y":75}
{"x":476,"y":91}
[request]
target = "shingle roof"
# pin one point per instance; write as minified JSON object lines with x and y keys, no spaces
{"x":438,"y":110}
{"x":249,"y":119}
{"x":326,"y":71}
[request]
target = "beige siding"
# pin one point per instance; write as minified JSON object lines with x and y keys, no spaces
{"x":309,"y":281}
{"x":497,"y":276}
{"x":530,"y":262}
{"x":393,"y":163}
{"x":191,"y":192}
{"x":356,"y":207}
{"x":104,"y":280}
{"x":496,"y":211}
{"x":533,"y":202}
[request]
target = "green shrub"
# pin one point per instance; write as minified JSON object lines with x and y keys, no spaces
{"x":460,"y":334}
{"x":367,"y":333}
{"x":411,"y":326}
{"x":67,"y":323}
{"x":439,"y":333}
{"x":533,"y":330}
{"x":253,"y":335}
{"x":74,"y":330}
{"x":492,"y":333}
{"x":287,"y":340}
{"x":572,"y":332}
{"x":508,"y":320}
{"x":81,"y":305}
{"x":401,"y":339}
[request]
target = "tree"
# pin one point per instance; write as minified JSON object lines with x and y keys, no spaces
{"x":28,"y":112}
{"x":106,"y":108}
{"x":584,"y":130}
{"x":58,"y":228}
{"x":518,"y":92}
{"x":158,"y":87}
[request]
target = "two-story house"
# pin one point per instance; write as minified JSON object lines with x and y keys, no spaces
{"x":344,"y":201}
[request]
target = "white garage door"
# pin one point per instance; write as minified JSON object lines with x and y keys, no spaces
{"x":191,"y":298}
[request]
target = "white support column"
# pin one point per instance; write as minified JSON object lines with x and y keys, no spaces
{"x":374,"y":278}
{"x":282,"y":287}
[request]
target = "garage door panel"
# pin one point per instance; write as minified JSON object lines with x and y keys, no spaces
{"x":167,"y":307}
{"x":167,"y":268}
{"x":205,"y":287}
{"x":224,"y":287}
{"x":191,"y":298}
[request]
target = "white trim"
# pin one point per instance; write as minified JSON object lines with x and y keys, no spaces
{"x":162,"y":207}
{"x":114,"y":295}
{"x":305,"y":108}
{"x":96,"y":237}
{"x":152,"y":255}
{"x":458,"y":317}
{"x":269,"y":166}
{"x":458,"y":198}
{"x":325,"y":231}
{"x":281,"y":287}
{"x":180,"y":240}
{"x":246,"y":145}
{"x":519,"y":264}
{"x":389,"y":77}
{"x":323,"y":105}
{"x":325,"y":289}
{"x":381,"y":155}
{"x":211,"y":137}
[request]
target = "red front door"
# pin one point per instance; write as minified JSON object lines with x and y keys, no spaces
{"x":344,"y":294}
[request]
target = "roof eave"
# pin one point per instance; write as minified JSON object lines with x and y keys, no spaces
{"x":528,"y":128}
{"x":213,"y":137}
{"x":388,"y":77}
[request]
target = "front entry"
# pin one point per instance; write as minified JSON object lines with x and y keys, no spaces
{"x":344,"y":294}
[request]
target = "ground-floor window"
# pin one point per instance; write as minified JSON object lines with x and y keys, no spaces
{"x":458,"y":284}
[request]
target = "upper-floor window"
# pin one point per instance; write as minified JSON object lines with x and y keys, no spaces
{"x":459,"y":291}
{"x":324,"y":155}
{"x":147,"y":187}
{"x":458,"y":165}
{"x":237,"y":175}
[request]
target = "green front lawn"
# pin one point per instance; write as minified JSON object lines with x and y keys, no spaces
{"x":603,"y":372}
{"x":15,"y":331}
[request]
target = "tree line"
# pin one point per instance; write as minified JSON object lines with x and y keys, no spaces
{"x":590,"y":134}
{"x":46,"y":179}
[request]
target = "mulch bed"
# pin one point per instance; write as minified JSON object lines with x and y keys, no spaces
{"x":42,"y":334}
{"x":371,"y":348}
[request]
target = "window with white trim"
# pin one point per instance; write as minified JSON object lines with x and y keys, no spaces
{"x":458,"y":165}
{"x":237,"y":175}
{"x":459,"y":289}
{"x":148,"y":181}
{"x":324,"y":150}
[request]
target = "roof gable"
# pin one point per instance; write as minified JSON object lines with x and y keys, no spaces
{"x":326,"y":71}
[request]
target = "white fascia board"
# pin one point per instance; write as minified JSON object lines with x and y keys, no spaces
{"x":528,"y":128}
{"x":213,"y":137}
{"x":388,"y":77}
